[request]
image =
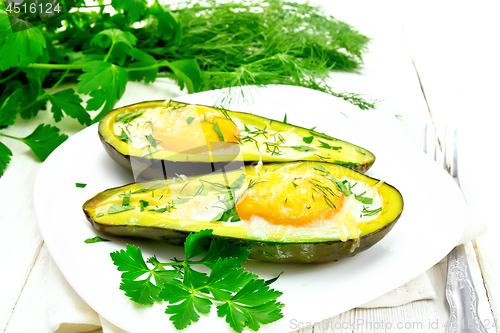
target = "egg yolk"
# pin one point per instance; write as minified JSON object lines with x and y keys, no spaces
{"x":191,"y":129}
{"x":285,"y":199}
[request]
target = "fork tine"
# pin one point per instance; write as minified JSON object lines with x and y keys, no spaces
{"x":425,"y":137}
{"x":445,"y":148}
{"x":454,"y":166}
{"x":436,"y":143}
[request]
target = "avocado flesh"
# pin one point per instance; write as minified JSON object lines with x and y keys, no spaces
{"x":270,"y":246}
{"x":157,"y":164}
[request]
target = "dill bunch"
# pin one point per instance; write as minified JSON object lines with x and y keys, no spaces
{"x":267,"y":42}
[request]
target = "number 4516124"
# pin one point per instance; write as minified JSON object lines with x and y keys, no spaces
{"x":33,"y":8}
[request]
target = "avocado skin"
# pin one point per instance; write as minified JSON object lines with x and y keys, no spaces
{"x":156,"y":168}
{"x":290,"y":253}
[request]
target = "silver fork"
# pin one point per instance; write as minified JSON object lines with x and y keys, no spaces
{"x":460,"y":291}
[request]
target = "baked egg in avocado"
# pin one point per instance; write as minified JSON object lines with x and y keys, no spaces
{"x":184,"y":138}
{"x":300,"y":212}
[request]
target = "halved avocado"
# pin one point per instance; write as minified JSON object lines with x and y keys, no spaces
{"x":217,"y":140}
{"x":170,"y":210}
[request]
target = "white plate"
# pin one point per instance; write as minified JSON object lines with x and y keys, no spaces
{"x":431,"y":224}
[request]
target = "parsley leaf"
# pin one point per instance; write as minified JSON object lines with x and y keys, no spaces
{"x":105,"y":82}
{"x":243,"y":299}
{"x":321,"y":168}
{"x":18,"y":49}
{"x":341,"y":186}
{"x":8,"y":109}
{"x":112,"y":37}
{"x":70,"y":103}
{"x":363,"y":199}
{"x":44,"y":140}
{"x":5,"y":154}
{"x":119,"y":208}
{"x":368,"y":212}
{"x":217,"y":130}
{"x":308,"y":139}
{"x":151,"y":140}
{"x":80,"y":185}
{"x":132,"y":9}
{"x":301,"y":148}
{"x":187,"y":72}
{"x":189,"y":120}
{"x":325,"y":145}
{"x":128,"y":117}
{"x":96,"y":239}
{"x":144,"y":204}
{"x":347,"y":163}
{"x":124,"y":137}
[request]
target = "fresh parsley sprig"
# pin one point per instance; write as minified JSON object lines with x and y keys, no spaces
{"x":241,"y":297}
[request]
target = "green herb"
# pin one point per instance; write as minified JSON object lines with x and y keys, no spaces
{"x":119,"y":208}
{"x":144,"y":204}
{"x":399,"y":117}
{"x":322,"y":158}
{"x":294,"y":184}
{"x":301,"y":148}
{"x":230,"y":213}
{"x":363,"y":199}
{"x":124,"y":137}
{"x":251,"y":183}
{"x":161,"y":210}
{"x":321,"y":168}
{"x":284,"y":119}
{"x":240,"y":297}
{"x":151,"y":188}
{"x":126,"y":199}
{"x":219,"y":133}
{"x":99,"y":215}
{"x":189,"y":120}
{"x":101,"y":48}
{"x":42,"y":141}
{"x":200,"y":190}
{"x":238,"y":182}
{"x":151,"y":140}
{"x":257,"y":132}
{"x":308,"y":139}
{"x":325,"y":190}
{"x":80,"y":185}
{"x":321,"y":135}
{"x":275,"y":148}
{"x":347,"y":163}
{"x":325,"y":145}
{"x":128,"y":117}
{"x":96,"y":239}
{"x":341,"y":186}
{"x":367,"y":212}
{"x":179,"y":201}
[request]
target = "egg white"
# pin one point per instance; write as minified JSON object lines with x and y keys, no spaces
{"x":138,"y":128}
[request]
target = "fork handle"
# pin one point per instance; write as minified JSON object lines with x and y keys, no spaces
{"x":461,"y":295}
